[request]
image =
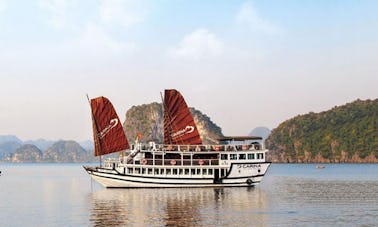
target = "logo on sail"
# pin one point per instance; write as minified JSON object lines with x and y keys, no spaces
{"x":188,"y":129}
{"x":113,"y":123}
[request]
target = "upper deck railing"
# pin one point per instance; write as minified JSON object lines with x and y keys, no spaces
{"x":198,"y":148}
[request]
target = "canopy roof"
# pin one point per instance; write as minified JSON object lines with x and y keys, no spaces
{"x":239,"y":138}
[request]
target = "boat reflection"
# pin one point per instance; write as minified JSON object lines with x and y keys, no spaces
{"x":178,"y":207}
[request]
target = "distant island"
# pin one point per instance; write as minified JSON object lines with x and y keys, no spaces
{"x":146,"y":119}
{"x":346,"y":133}
{"x":13,"y":149}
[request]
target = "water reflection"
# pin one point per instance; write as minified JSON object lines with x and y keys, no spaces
{"x":181,"y":208}
{"x":322,"y":201}
{"x":290,"y":195}
{"x":178,"y":207}
{"x":108,"y":209}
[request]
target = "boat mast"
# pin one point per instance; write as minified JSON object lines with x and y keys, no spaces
{"x":169,"y":128}
{"x":96,"y":128}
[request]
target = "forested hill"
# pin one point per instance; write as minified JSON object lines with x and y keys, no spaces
{"x":347,"y":133}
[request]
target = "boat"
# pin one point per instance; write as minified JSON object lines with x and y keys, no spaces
{"x":181,"y":161}
{"x":320,"y":167}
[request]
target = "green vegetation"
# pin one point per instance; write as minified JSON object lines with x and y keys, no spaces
{"x":337,"y":134}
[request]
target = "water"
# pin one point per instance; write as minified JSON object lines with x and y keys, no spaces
{"x":290,"y":195}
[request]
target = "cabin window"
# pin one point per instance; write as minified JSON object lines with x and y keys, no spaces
{"x":186,"y":172}
{"x":130,"y":170}
{"x":241,"y":156}
{"x":251,"y":156}
{"x":193,"y":171}
{"x":223,"y":172}
{"x":156,"y":171}
{"x":180,"y":171}
{"x":260,"y":155}
{"x":168,"y":171}
{"x":210,"y":171}
{"x":137,"y":170}
{"x":198,"y":171}
{"x":174,"y":171}
{"x":224,"y":156}
{"x":204,"y":171}
{"x":233,"y":157}
{"x":161,"y":171}
{"x":149,"y":171}
{"x":143,"y":171}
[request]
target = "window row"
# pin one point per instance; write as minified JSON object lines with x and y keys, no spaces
{"x":169,"y":171}
{"x":250,"y":156}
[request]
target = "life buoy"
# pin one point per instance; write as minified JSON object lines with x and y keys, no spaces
{"x":201,"y":162}
{"x":173,"y":162}
{"x":144,"y":161}
{"x":216,"y":148}
{"x":244,"y":147}
{"x":249,"y":181}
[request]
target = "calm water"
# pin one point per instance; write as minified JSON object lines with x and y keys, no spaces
{"x":290,"y":195}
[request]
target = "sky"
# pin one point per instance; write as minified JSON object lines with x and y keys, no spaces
{"x":243,"y":63}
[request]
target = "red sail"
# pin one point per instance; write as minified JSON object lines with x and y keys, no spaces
{"x":108,"y":133}
{"x":179,"y":125}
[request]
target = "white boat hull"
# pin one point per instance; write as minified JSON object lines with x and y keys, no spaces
{"x":239,"y":175}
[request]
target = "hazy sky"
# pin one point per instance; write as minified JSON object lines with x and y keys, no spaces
{"x":243,"y":63}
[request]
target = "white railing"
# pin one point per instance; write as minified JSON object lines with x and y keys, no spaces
{"x":206,"y":148}
{"x":177,"y":162}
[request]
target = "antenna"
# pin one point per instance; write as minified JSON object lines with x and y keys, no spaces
{"x":88,"y":99}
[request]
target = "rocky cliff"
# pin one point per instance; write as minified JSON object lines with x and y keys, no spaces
{"x":66,"y":151}
{"x":26,"y":153}
{"x":148,"y":120}
{"x":8,"y":147}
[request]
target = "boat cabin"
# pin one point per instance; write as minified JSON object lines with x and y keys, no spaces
{"x":192,"y":161}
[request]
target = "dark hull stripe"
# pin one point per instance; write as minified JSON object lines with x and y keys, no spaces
{"x":207,"y":186}
{"x":176,"y":183}
{"x":148,"y":177}
{"x":233,"y":178}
